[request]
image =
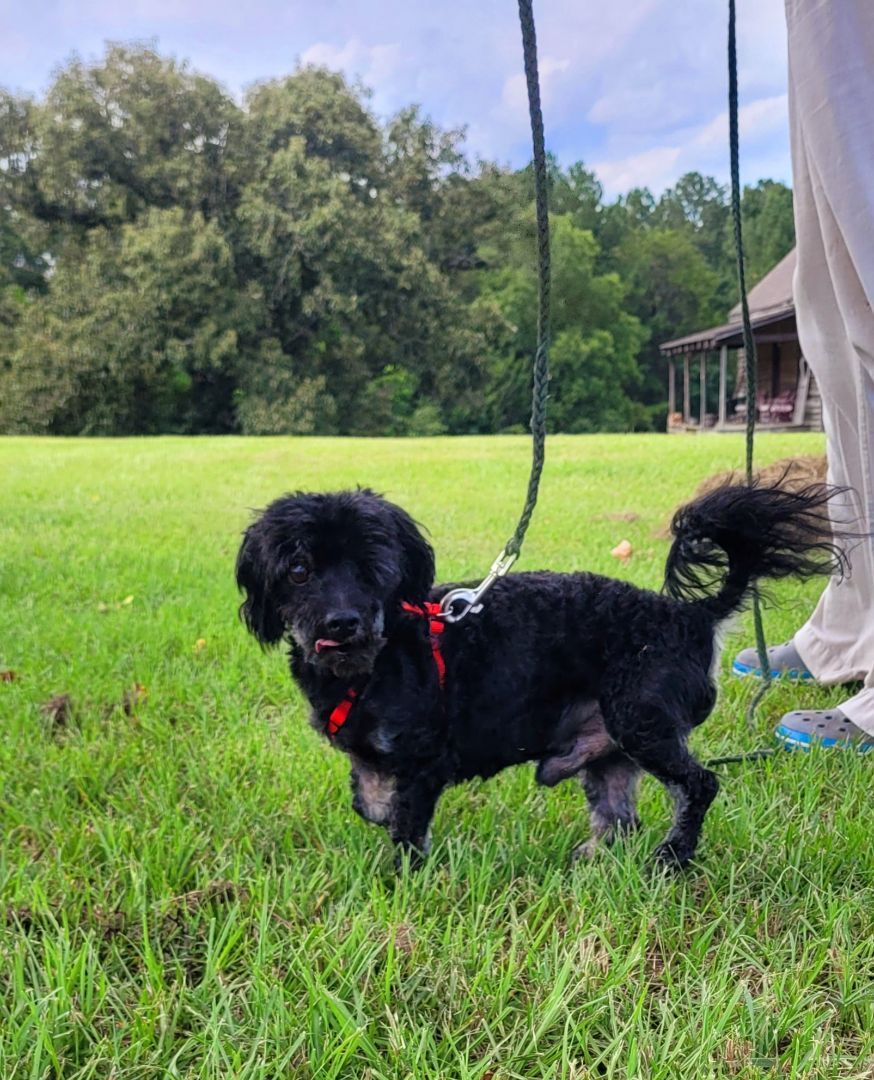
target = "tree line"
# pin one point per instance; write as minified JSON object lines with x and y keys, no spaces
{"x":172,"y":260}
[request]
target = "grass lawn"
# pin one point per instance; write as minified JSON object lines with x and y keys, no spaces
{"x":187,"y":892}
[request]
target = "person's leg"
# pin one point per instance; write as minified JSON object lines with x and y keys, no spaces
{"x":831,"y":57}
{"x":831,"y":104}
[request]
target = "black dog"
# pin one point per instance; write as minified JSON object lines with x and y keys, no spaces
{"x":587,"y":676}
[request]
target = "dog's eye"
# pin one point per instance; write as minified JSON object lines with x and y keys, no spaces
{"x":299,"y":574}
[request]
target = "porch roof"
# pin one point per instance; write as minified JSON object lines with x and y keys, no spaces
{"x":770,"y":301}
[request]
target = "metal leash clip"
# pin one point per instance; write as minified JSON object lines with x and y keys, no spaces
{"x":460,"y":602}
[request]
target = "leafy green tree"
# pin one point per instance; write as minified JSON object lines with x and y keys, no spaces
{"x":273,"y":398}
{"x":769,"y":230}
{"x":420,"y":160}
{"x":640,"y":205}
{"x":349,"y":287}
{"x":459,"y":209}
{"x":671,"y":290}
{"x":22,"y":272}
{"x":590,"y":378}
{"x":387,"y":403}
{"x":114,"y":139}
{"x":698,"y":203}
{"x":337,"y":236}
{"x":577,"y":191}
{"x":594,"y":339}
{"x":20,"y":264}
{"x":143,"y":333}
{"x":173,"y":261}
{"x":318,"y":108}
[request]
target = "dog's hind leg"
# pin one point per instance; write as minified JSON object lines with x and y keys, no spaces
{"x":692,"y":787}
{"x":649,"y":709}
{"x":581,"y":738}
{"x":611,"y":790}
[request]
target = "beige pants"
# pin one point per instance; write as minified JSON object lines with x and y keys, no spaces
{"x":831,"y":108}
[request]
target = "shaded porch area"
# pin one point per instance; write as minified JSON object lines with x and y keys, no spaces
{"x":706,"y":380}
{"x":707,"y":385}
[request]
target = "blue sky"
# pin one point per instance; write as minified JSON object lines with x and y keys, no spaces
{"x":635,"y":88}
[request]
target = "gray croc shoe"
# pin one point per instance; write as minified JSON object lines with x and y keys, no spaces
{"x":804,"y":728}
{"x":784,"y":661}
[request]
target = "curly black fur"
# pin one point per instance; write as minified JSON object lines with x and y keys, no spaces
{"x":586,"y":676}
{"x":736,"y":535}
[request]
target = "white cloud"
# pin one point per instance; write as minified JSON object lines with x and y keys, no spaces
{"x":508,"y":121}
{"x":661,"y":110}
{"x":762,"y":124}
{"x":656,"y":169}
{"x":515,"y":93}
{"x":758,"y":119}
{"x":377,"y":66}
{"x":636,"y":86}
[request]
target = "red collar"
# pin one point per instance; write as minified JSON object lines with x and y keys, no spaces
{"x":436,"y":626}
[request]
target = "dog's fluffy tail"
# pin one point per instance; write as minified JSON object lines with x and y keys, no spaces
{"x":732,"y":537}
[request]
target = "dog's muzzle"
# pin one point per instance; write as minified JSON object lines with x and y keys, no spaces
{"x":352,"y":656}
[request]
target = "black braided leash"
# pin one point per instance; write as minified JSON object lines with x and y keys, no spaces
{"x":460,"y":602}
{"x":750,"y":357}
{"x":541,"y":360}
{"x":751,"y":375}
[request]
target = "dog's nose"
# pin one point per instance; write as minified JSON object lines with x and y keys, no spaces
{"x":342,"y":623}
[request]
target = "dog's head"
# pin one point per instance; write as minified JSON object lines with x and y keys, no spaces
{"x":330,"y":570}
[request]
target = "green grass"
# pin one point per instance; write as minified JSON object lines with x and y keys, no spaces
{"x":187,"y":892}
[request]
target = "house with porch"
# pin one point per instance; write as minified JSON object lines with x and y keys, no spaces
{"x":786,"y":398}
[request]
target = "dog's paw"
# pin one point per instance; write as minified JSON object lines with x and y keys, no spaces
{"x":407,"y":856}
{"x":670,"y":856}
{"x":586,"y":852}
{"x":412,"y":861}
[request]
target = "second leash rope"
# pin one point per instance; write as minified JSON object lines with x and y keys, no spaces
{"x":750,"y":357}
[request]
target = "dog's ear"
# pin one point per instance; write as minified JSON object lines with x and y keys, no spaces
{"x":417,"y":558}
{"x":258,"y":610}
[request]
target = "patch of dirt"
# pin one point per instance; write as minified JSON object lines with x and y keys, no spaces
{"x":619,"y":515}
{"x":58,"y":711}
{"x":28,"y":839}
{"x":791,"y":473}
{"x":404,"y":939}
{"x":20,"y":917}
{"x":132,"y":697}
{"x":110,"y":923}
{"x":8,"y":676}
{"x":738,"y":1054}
{"x":182,"y":939}
{"x":219,"y":892}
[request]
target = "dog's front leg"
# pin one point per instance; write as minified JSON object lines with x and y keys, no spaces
{"x":373,"y":792}
{"x":412,"y":809}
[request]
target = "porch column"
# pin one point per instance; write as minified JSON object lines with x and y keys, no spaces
{"x":687,"y":397}
{"x":702,"y":374}
{"x":723,"y":385}
{"x":672,"y":389}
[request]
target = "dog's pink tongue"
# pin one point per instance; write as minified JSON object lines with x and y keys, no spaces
{"x":326,"y":643}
